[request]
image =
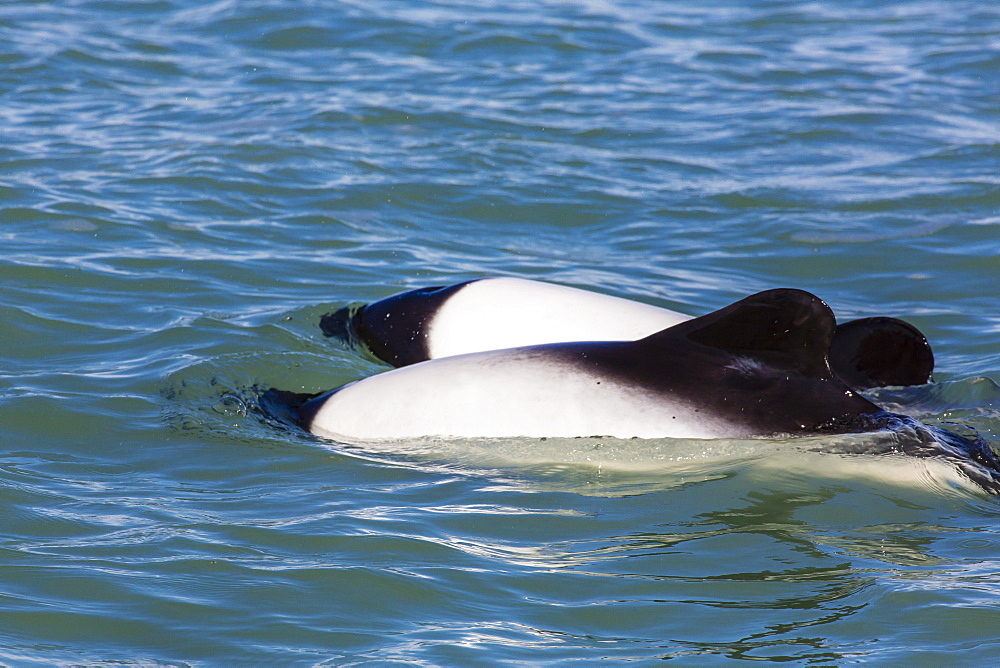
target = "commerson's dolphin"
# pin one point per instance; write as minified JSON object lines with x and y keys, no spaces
{"x":497,"y":313}
{"x":756,"y":368}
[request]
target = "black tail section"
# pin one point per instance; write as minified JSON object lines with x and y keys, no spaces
{"x":288,"y":407}
{"x":881,"y":352}
{"x":340,"y":323}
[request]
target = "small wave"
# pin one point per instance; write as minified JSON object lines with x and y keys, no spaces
{"x":869,"y":236}
{"x":979,"y":395}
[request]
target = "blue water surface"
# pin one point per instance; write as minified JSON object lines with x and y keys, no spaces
{"x":186,"y":187}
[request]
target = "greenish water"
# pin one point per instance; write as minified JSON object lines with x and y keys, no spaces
{"x":186,"y":187}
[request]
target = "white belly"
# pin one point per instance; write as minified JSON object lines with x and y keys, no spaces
{"x":504,"y":394}
{"x":496,"y":313}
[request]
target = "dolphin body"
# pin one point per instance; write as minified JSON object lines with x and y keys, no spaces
{"x":756,"y":368}
{"x":759,"y":368}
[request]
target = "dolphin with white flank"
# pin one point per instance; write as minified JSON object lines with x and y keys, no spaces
{"x":497,"y":313}
{"x":756,"y":368}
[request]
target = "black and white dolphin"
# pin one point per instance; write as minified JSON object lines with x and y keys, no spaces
{"x":756,"y":368}
{"x":498,"y":313}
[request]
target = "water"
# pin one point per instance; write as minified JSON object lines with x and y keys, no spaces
{"x":186,"y":187}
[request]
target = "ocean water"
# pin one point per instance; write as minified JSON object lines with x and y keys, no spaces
{"x":186,"y":187}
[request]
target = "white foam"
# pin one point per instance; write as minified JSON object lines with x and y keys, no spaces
{"x":665,"y":463}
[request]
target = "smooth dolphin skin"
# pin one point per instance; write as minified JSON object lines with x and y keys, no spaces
{"x":756,"y":368}
{"x":881,"y":352}
{"x":491,"y":314}
{"x":497,"y":313}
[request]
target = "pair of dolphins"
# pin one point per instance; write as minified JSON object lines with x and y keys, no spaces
{"x":508,"y":357}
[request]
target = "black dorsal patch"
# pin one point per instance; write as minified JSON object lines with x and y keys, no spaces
{"x":879,"y":352}
{"x":760,"y":363}
{"x":289,"y":407}
{"x":788,"y":327}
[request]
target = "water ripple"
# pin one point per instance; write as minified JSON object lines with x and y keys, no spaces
{"x":186,"y":187}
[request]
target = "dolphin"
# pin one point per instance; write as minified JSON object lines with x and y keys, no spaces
{"x":759,"y":368}
{"x":756,"y":368}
